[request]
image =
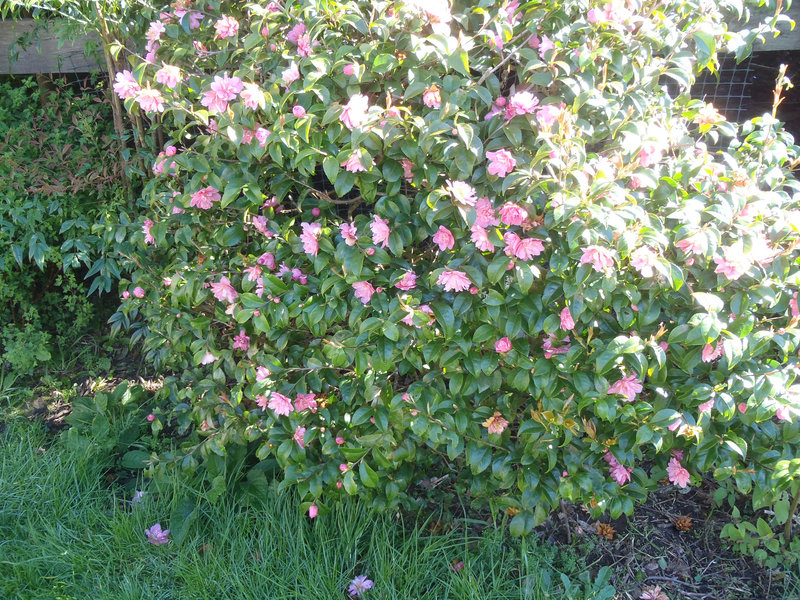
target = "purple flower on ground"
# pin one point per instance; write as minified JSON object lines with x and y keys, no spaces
{"x":359,"y":585}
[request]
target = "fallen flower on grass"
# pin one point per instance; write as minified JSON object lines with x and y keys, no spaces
{"x":359,"y":585}
{"x":157,"y":536}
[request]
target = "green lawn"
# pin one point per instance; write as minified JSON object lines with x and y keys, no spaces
{"x":63,"y":534}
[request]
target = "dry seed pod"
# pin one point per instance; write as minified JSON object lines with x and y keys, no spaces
{"x":605,"y":530}
{"x":683,"y":523}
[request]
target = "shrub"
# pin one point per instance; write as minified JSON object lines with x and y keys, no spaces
{"x":58,"y":184}
{"x":489,"y":248}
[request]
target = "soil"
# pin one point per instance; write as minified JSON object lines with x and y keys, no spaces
{"x":648,"y":550}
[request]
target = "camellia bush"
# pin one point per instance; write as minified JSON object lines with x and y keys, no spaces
{"x":490,"y":247}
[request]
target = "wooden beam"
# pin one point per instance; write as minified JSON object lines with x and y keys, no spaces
{"x":48,"y":58}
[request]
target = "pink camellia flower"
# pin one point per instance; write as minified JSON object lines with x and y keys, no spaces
{"x":547,"y":115}
{"x":643,"y":260}
{"x":195,"y":18}
{"x":299,"y":436}
{"x":304,"y":45}
{"x":599,"y":257}
{"x":205,"y":198}
{"x":125,"y":85}
{"x":627,"y":386}
{"x":313,"y":511}
{"x":291,"y":74}
{"x":298,"y":111}
{"x":294,"y":34}
{"x":154,"y":32}
{"x":485,"y":214}
{"x":710,"y":353}
{"x":168,"y":75}
{"x":734,"y":262}
{"x":408,"y":174}
{"x":126,"y":294}
{"x":522,"y":248}
{"x":551,"y":349}
{"x":157,"y":536}
{"x":349,"y":69}
{"x":496,"y":423}
{"x":138,"y":292}
{"x":226,"y":27}
{"x":359,"y":585}
{"x":462,"y":192}
{"x":408,"y":282}
{"x":364,"y":291}
{"x":513,"y":214}
{"x":706,"y":407}
{"x":501,"y":162}
{"x":262,"y":402}
{"x":267,"y":260}
{"x":262,"y":373}
{"x":619,"y":473}
{"x":444,"y":238}
{"x":305,"y":402}
{"x":224,"y":291}
{"x":380,"y":231}
{"x":260,"y":223}
{"x":650,"y":154}
{"x":431,"y":97}
{"x":697,"y":243}
{"x":354,"y":112}
{"x":310,"y":237}
{"x":409,"y":318}
{"x":208,"y":358}
{"x":241,"y":341}
{"x":521,"y":103}
{"x":545,"y":46}
{"x":567,"y":323}
{"x":280,"y":404}
{"x":353,"y":163}
{"x":454,"y":281}
{"x":793,"y":305}
{"x":480,"y":237}
{"x":783,"y":413}
{"x":150,"y":100}
{"x":339,"y":440}
{"x":261,"y":134}
{"x":253,"y":97}
{"x":502,"y":345}
{"x":677,"y":474}
{"x":349,"y":233}
{"x":148,"y":238}
{"x":223,"y":90}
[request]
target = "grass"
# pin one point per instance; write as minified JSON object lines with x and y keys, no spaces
{"x":64,"y":535}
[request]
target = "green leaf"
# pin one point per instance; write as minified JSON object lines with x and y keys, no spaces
{"x":483,"y":333}
{"x":233,"y":236}
{"x":498,"y":267}
{"x":521,"y":524}
{"x":349,"y":481}
{"x":445,"y":318}
{"x":181,"y":518}
{"x":331,"y":167}
{"x":135,"y":459}
{"x":459,"y":60}
{"x":217,"y":489}
{"x":368,"y":476}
